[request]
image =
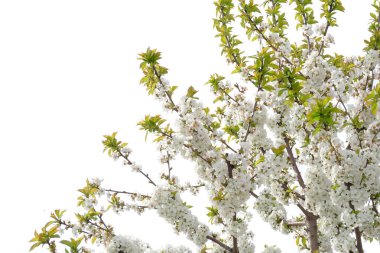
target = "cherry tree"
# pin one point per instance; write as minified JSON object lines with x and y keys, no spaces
{"x":298,"y":131}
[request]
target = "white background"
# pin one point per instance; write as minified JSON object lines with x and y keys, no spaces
{"x":69,"y":74}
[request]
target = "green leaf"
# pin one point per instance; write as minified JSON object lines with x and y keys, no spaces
{"x":67,"y":243}
{"x":268,"y":87}
{"x":304,"y":242}
{"x":335,"y":186}
{"x":220,"y":196}
{"x":191,"y":92}
{"x":278,"y":151}
{"x":151,"y":123}
{"x":172,"y":89}
{"x":35,"y":246}
{"x":93,"y":239}
{"x":260,"y":160}
{"x":213,"y":212}
{"x":151,"y":56}
{"x":232,"y":131}
{"x":322,"y":113}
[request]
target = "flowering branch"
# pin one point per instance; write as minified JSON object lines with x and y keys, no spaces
{"x":138,"y":169}
{"x":224,"y":246}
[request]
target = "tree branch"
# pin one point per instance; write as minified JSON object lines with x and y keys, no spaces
{"x":359,"y":244}
{"x":224,"y":246}
{"x":140,"y":171}
{"x":128,"y":193}
{"x":325,"y":31}
{"x":234,"y":239}
{"x":169,"y":167}
{"x":295,"y":223}
{"x":254,"y":194}
{"x":167,"y":94}
{"x":294,"y":163}
{"x":358,"y":233}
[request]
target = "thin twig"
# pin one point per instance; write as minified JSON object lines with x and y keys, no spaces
{"x":167,"y":94}
{"x":140,"y":171}
{"x":168,"y":162}
{"x":295,"y":223}
{"x":128,"y":193}
{"x":253,"y":194}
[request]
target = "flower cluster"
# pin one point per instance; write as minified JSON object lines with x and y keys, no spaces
{"x":170,"y":206}
{"x":271,"y":249}
{"x":270,"y":210}
{"x":124,"y":244}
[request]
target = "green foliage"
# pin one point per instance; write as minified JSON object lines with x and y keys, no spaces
{"x":263,"y":68}
{"x":222,"y":92}
{"x":278,"y":151}
{"x":151,"y":69}
{"x":46,"y":236}
{"x":171,"y":90}
{"x":90,"y":215}
{"x":191,"y":92}
{"x":213,"y":213}
{"x":260,"y":160}
{"x":373,"y":99}
{"x":250,"y":20}
{"x":276,"y":18}
{"x":73,"y":245}
{"x":50,"y":232}
{"x":335,"y":186}
{"x":301,"y":242}
{"x":232,"y":131}
{"x":341,"y":62}
{"x":374,"y":28}
{"x":322,"y":114}
{"x":329,"y":9}
{"x":152,"y":124}
{"x":214,"y":82}
{"x":87,"y":191}
{"x":151,"y":56}
{"x":291,"y":82}
{"x":220,"y":196}
{"x":355,"y":122}
{"x":153,"y":73}
{"x":229,"y":41}
{"x":111,"y":144}
{"x":56,"y":216}
{"x":304,"y":12}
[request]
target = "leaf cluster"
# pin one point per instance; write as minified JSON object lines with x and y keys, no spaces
{"x":374,"y":28}
{"x":329,"y":9}
{"x":373,"y":99}
{"x":322,"y":114}
{"x":112,"y":145}
{"x":229,"y":41}
{"x":153,"y":124}
{"x":152,"y":69}
{"x":277,"y":20}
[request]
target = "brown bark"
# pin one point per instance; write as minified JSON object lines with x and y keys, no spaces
{"x":358,"y":233}
{"x":294,"y":163}
{"x":224,"y":246}
{"x":235,"y":248}
{"x":359,"y":245}
{"x":234,"y":241}
{"x":311,"y":222}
